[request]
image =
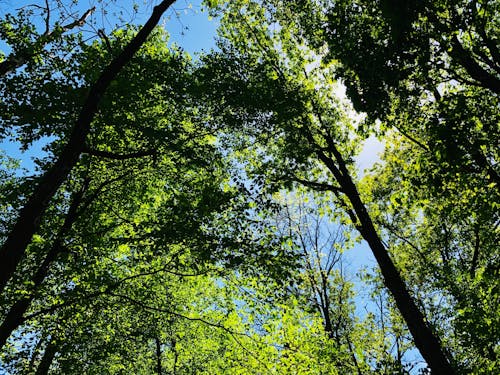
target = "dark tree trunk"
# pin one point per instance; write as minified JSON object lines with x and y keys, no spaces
{"x":159,"y":369}
{"x":47,"y":359}
{"x":425,"y":339}
{"x":31,"y":214}
{"x":15,"y":316}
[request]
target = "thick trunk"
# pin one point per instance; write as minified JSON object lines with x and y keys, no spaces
{"x":425,"y":340}
{"x":31,"y":214}
{"x":14,"y":317}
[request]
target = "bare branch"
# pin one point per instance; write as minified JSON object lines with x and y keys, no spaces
{"x":14,"y":61}
{"x":47,"y":18}
{"x":80,"y":21}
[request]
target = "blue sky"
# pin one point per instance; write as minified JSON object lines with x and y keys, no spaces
{"x":191,"y":29}
{"x":187,"y":23}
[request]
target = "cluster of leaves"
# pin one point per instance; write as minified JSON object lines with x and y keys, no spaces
{"x":149,"y":196}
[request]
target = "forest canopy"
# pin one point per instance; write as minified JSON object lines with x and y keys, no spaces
{"x":208,"y":214}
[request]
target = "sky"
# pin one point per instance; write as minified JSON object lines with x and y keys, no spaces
{"x":191,"y":29}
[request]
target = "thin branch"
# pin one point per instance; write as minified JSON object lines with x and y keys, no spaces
{"x":104,"y":37}
{"x":112,"y":155}
{"x":110,"y":288}
{"x":78,"y":22}
{"x":47,"y":18}
{"x":14,"y":61}
{"x":411,"y":138}
{"x":176,"y":314}
{"x":319,"y":186}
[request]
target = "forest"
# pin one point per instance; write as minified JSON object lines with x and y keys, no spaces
{"x":207,"y":212}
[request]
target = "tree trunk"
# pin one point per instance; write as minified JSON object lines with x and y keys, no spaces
{"x":47,"y":359}
{"x":483,"y":77}
{"x":159,"y":369}
{"x":14,"y":317}
{"x":31,"y":214}
{"x":425,"y":340}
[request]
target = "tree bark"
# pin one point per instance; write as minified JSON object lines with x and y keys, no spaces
{"x":31,"y":214}
{"x":159,"y":369}
{"x":425,"y":340}
{"x":47,"y":359}
{"x":15,"y":316}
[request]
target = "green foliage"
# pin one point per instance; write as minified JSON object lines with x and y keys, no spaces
{"x":203,"y":229}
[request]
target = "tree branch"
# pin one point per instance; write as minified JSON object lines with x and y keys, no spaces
{"x":319,"y":186}
{"x":14,"y":61}
{"x":111,"y":155}
{"x":78,"y":22}
{"x":475,"y":70}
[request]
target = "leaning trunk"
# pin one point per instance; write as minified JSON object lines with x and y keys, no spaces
{"x":425,"y":339}
{"x":47,"y":359}
{"x":15,"y":316}
{"x":30,"y":216}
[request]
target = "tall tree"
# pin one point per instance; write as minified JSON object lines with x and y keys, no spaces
{"x":429,"y":71}
{"x":285,"y":96}
{"x":30,"y":216}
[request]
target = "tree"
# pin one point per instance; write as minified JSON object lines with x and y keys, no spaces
{"x":84,"y":187}
{"x":430,"y":72}
{"x":447,"y":247}
{"x":149,"y":191}
{"x":308,"y":117}
{"x":28,"y":221}
{"x":30,"y":46}
{"x":152,"y":178}
{"x":374,"y":342}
